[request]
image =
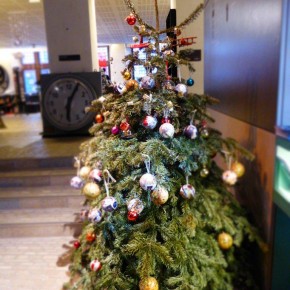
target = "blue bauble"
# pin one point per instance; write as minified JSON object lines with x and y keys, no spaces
{"x":190,"y":82}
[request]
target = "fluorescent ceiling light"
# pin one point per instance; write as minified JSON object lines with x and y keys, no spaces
{"x":34,"y":1}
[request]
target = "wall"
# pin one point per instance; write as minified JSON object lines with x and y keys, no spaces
{"x":242,"y":54}
{"x":196,"y":28}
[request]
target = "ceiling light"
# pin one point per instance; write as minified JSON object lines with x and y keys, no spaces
{"x":34,"y":1}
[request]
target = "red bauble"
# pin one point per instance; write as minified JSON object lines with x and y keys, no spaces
{"x":99,"y":118}
{"x":77,"y":244}
{"x":90,"y":237}
{"x":133,"y":215}
{"x":131,"y":19}
{"x":124,"y":126}
{"x":183,"y":41}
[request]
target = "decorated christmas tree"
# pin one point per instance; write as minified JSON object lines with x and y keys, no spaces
{"x":160,"y":213}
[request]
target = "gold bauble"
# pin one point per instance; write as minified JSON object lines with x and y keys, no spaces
{"x":238,"y":168}
{"x":132,"y":85}
{"x":149,"y":283}
{"x":225,"y":241}
{"x":126,"y":75}
{"x":159,"y":195}
{"x":84,"y":172}
{"x":91,"y":190}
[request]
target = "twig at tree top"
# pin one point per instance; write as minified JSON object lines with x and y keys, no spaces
{"x":157,"y":15}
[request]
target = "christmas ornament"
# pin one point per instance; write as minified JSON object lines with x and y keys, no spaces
{"x":91,"y":190}
{"x":238,"y":168}
{"x":181,"y":90}
{"x":204,"y":172}
{"x":131,"y":85}
{"x":149,"y":283}
{"x":131,"y":19}
{"x":190,"y":82}
{"x":76,"y":182}
{"x":149,"y":122}
{"x":168,"y":52}
{"x":132,"y":215}
{"x":96,"y":175}
{"x":84,"y":172}
{"x":142,"y":28}
{"x":126,"y":75}
{"x":159,"y":195}
{"x":204,"y":133}
{"x":135,"y":205}
{"x":166,"y":130}
{"x":187,"y":191}
{"x":147,"y":82}
{"x":115,"y":130}
{"x":225,"y":241}
{"x":124,"y":126}
{"x":177,"y":31}
{"x":95,"y":215}
{"x":190,"y":131}
{"x":170,"y":106}
{"x":148,"y":181}
{"x":230,"y":177}
{"x":99,"y":118}
{"x":121,"y":88}
{"x":77,"y":244}
{"x":90,"y":237}
{"x":109,"y":204}
{"x":168,"y":85}
{"x":165,"y":120}
{"x":135,"y":38}
{"x":95,"y":265}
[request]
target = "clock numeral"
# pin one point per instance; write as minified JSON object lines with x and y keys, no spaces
{"x":55,"y":95}
{"x":84,"y":94}
{"x":69,"y":86}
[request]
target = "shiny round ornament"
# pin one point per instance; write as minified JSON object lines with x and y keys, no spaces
{"x":135,"y":38}
{"x":132,"y":85}
{"x":136,"y":205}
{"x":142,"y":28}
{"x":238,"y":168}
{"x":96,"y":175}
{"x":177,"y":31}
{"x":149,"y":122}
{"x":91,"y":190}
{"x":124,"y":126}
{"x":190,"y":82}
{"x":132,"y":215}
{"x":109,"y":204}
{"x":159,"y":195}
{"x":187,"y":191}
{"x":149,"y":283}
{"x":90,"y":237}
{"x":77,"y":244}
{"x":121,"y":88}
{"x":190,"y":132}
{"x":95,"y":215}
{"x":115,"y":130}
{"x":95,"y":265}
{"x":147,"y":82}
{"x":85,"y":172}
{"x":148,"y":181}
{"x":225,"y":241}
{"x":170,"y":105}
{"x":99,"y":118}
{"x":168,"y":52}
{"x":131,"y":19}
{"x":181,"y":90}
{"x":230,"y":177}
{"x":126,"y":75}
{"x":204,"y":172}
{"x":166,"y":130}
{"x":76,"y":182}
{"x":204,"y":133}
{"x":168,"y":85}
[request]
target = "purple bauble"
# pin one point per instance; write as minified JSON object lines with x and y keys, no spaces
{"x":115,"y":130}
{"x":190,"y":132}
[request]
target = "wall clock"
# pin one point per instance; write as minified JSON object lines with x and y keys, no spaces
{"x":4,"y":80}
{"x":64,"y":99}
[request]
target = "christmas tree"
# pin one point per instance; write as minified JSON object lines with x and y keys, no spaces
{"x":161,"y":213}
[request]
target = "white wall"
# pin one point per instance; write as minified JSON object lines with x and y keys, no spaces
{"x":196,"y":28}
{"x":118,"y":52}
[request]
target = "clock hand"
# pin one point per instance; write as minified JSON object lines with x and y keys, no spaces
{"x":69,"y":102}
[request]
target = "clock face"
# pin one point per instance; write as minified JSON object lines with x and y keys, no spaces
{"x":64,"y":103}
{"x":4,"y":80}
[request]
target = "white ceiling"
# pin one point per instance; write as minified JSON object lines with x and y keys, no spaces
{"x":22,"y":23}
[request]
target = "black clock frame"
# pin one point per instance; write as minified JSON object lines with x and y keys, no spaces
{"x":91,"y":79}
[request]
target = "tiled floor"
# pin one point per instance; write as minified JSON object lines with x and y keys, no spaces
{"x":33,"y":263}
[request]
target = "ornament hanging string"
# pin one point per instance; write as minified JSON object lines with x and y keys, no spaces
{"x":228,"y":158}
{"x":186,"y":178}
{"x":147,"y":162}
{"x":192,"y":117}
{"x":78,"y":165}
{"x":178,"y":70}
{"x":108,"y":180}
